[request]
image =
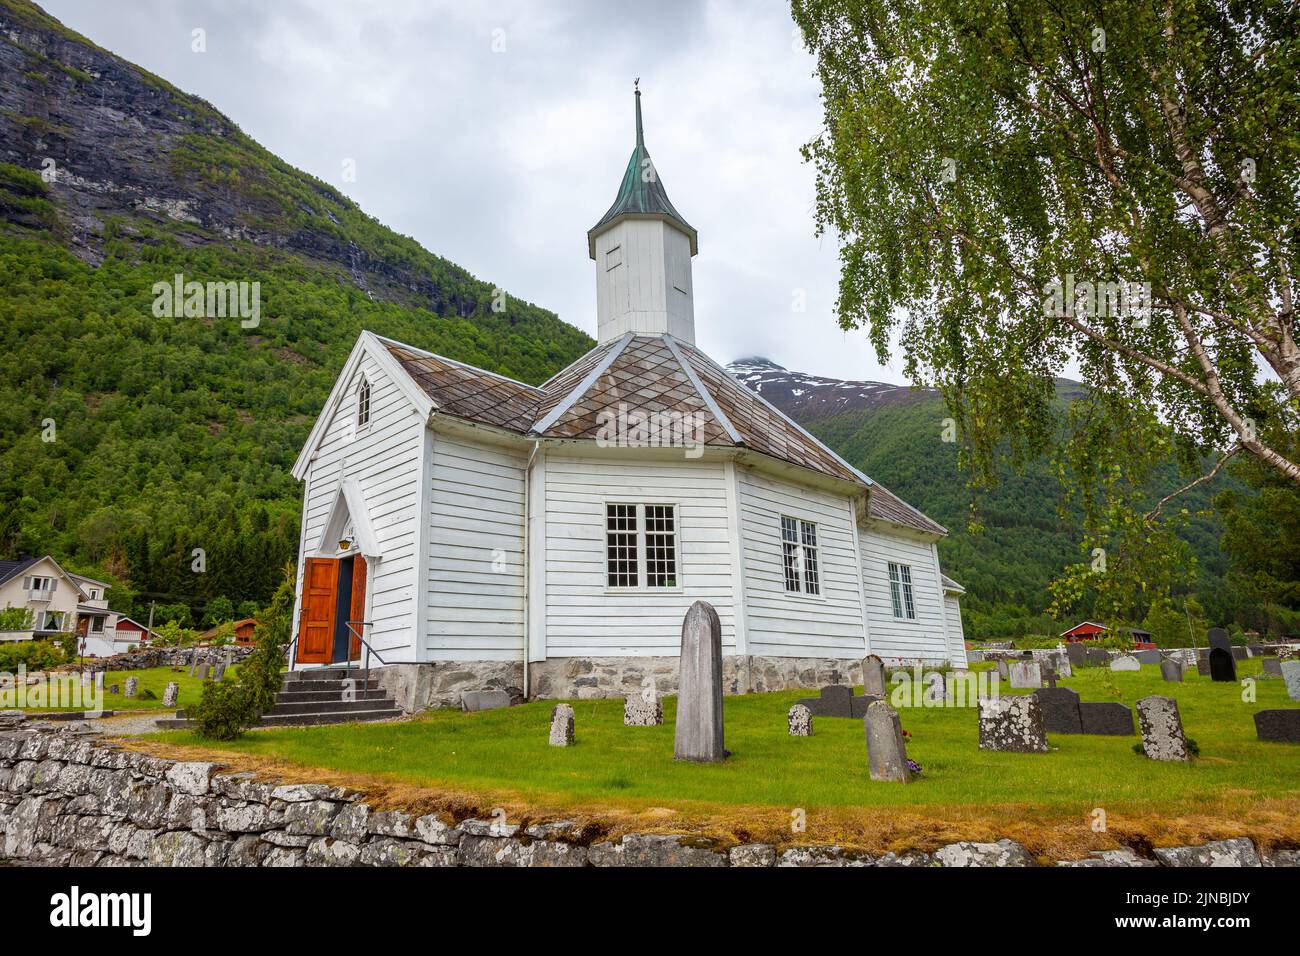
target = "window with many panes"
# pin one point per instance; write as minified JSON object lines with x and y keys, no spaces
{"x":799,"y":556}
{"x":363,"y":404}
{"x":900,"y":590}
{"x":640,"y":545}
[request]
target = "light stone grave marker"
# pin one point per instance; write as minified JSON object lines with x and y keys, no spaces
{"x":699,"y":734}
{"x":799,"y":721}
{"x":886,"y":752}
{"x":562,"y":726}
{"x":1162,"y":729}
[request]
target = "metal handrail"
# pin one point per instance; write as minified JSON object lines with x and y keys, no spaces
{"x":368,"y":650}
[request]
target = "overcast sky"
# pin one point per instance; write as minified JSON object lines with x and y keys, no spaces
{"x":500,"y":160}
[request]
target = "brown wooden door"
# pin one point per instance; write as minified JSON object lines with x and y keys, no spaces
{"x":320,"y":595}
{"x":357,"y":612}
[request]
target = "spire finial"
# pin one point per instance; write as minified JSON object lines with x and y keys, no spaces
{"x":640,"y":136}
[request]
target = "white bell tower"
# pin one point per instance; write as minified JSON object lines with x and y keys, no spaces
{"x":643,"y":250}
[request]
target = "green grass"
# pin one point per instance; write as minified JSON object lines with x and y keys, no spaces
{"x":153,"y":679}
{"x":506,"y":751}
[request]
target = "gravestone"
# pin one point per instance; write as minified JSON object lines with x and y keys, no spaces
{"x":99,"y":683}
{"x":131,"y":684}
{"x":472,"y":701}
{"x":1012,"y":724}
{"x":1026,"y":674}
{"x":204,"y":670}
{"x":1147,"y":657}
{"x":1125,"y":662}
{"x":836,"y":700}
{"x":219,"y":671}
{"x":1060,"y":709}
{"x":1171,"y":670}
{"x":113,"y":689}
{"x":1240,"y":653}
{"x":1162,"y":729}
{"x":1077,"y":654}
{"x":194,"y":661}
{"x":1272,"y":667}
{"x":799,"y":721}
{"x":974,"y":657}
{"x":1256,"y":650}
{"x":1278,"y":726}
{"x":1218,"y":637}
{"x":699,"y":695}
{"x":1203,"y":666}
{"x":1098,"y":657}
{"x":1064,"y":666}
{"x":873,"y":676}
{"x":562,"y":726}
{"x":171,"y":694}
{"x":1107,"y":718}
{"x":1291,"y":674}
{"x":643,"y":709}
{"x":1004,"y":669}
{"x":1223,"y":667}
{"x":886,"y":753}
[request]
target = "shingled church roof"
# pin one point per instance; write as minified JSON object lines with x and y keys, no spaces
{"x":649,"y":374}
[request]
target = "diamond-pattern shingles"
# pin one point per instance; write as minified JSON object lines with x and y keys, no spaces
{"x":647,"y":379}
{"x":471,"y":393}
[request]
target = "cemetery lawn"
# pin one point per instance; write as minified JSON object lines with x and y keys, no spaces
{"x":624,"y":779}
{"x":153,"y":679}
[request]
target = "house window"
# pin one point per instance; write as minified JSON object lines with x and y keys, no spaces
{"x":94,"y":594}
{"x":42,"y":584}
{"x":97,"y":625}
{"x":363,"y":404}
{"x":640,"y":545}
{"x":53,"y":621}
{"x":799,"y":556}
{"x":900,"y":590}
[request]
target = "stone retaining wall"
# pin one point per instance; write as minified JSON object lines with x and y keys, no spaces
{"x":138,"y":660}
{"x":68,"y":798}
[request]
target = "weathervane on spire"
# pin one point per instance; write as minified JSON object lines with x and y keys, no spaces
{"x":636,"y":85}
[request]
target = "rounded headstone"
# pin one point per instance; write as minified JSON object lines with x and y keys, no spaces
{"x":799,"y":721}
{"x":886,"y":752}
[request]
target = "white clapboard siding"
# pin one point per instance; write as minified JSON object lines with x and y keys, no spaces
{"x":385,"y":459}
{"x":780,"y":623}
{"x":956,"y":640}
{"x":475,"y":589}
{"x":586,"y":619}
{"x":922,"y":638}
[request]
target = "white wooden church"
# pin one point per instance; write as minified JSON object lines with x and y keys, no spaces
{"x":552,"y":537}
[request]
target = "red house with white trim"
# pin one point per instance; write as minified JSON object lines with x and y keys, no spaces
{"x":1086,"y":631}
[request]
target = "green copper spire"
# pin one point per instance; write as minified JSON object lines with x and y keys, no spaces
{"x":641,"y":194}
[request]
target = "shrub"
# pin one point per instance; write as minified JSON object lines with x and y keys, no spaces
{"x":34,"y":655}
{"x":228,"y":708}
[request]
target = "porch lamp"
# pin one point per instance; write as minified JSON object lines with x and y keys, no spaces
{"x":345,"y":543}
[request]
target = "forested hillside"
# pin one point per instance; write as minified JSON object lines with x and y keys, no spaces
{"x":129,"y":439}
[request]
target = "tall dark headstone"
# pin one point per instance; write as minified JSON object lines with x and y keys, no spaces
{"x":699,"y":695}
{"x":1108,"y":718}
{"x":1077,"y":653}
{"x":1222,"y":665}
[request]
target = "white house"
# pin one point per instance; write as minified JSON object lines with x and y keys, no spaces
{"x":486,"y":532}
{"x":57,"y":602}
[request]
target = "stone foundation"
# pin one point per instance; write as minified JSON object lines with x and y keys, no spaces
{"x":68,"y":799}
{"x":417,"y":687}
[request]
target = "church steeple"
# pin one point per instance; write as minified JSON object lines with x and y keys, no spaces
{"x":643,"y":248}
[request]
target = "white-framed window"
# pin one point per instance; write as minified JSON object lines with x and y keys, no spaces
{"x":640,"y":545}
{"x":52,"y":621}
{"x":799,"y":556}
{"x":900,"y":590}
{"x":94,"y":594}
{"x":97,"y":625}
{"x":42,"y":584}
{"x":363,"y":404}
